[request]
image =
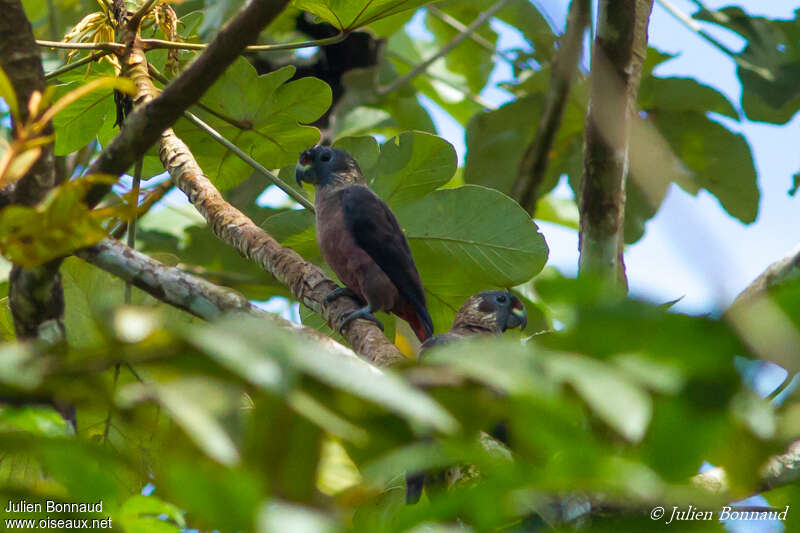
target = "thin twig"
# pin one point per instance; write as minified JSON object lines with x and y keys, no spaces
{"x":79,"y":63}
{"x":478,"y":38}
{"x":693,"y":25}
{"x":149,"y":201}
{"x":458,"y":39}
{"x":108,"y":416}
{"x":471,"y":96}
{"x":159,"y":44}
{"x":534,"y":163}
{"x":136,"y":18}
{"x":131,"y":237}
{"x":107,"y":46}
{"x":214,"y":134}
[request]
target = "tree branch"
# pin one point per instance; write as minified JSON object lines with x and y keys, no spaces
{"x":307,"y":283}
{"x":619,"y":49}
{"x":776,"y":273}
{"x":36,"y":297}
{"x":565,"y":67}
{"x":144,"y":126}
{"x":185,"y":291}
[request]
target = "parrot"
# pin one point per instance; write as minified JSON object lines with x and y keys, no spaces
{"x":485,"y":313}
{"x":362,"y":241}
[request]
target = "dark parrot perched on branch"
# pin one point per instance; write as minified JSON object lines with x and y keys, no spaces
{"x":362,"y":242}
{"x":485,"y":313}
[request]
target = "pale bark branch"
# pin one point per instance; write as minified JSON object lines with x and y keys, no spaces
{"x":617,"y":55}
{"x":307,"y":282}
{"x":532,"y":169}
{"x":144,"y":126}
{"x":776,"y":273}
{"x":180,"y":289}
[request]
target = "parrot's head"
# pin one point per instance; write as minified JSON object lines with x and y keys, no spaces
{"x":323,"y":165}
{"x":491,"y":312}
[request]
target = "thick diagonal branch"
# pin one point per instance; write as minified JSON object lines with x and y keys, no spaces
{"x":185,"y":291}
{"x":144,"y":126}
{"x":617,"y":55}
{"x":307,"y":282}
{"x":35,"y":296}
{"x":532,"y":168}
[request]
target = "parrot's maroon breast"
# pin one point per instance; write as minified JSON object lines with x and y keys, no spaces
{"x":349,"y":261}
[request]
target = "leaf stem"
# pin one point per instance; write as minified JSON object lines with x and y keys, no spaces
{"x":79,"y":63}
{"x":107,"y":46}
{"x":156,"y":44}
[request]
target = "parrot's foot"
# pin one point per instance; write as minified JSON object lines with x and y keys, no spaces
{"x":365,"y":313}
{"x":338,"y":292}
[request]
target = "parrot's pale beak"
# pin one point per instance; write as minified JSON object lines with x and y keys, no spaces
{"x":518,"y":317}
{"x":303,"y":173}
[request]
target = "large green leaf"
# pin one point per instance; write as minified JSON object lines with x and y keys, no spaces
{"x":78,"y":125}
{"x":262,"y":349}
{"x":411,"y":166}
{"x":768,"y":67}
{"x":468,"y":239}
{"x":497,"y":140}
{"x":267,"y":111}
{"x":721,"y":160}
{"x":470,"y":59}
{"x":350,"y":14}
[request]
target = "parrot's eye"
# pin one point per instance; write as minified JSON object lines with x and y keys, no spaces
{"x":501,"y":299}
{"x":325,"y":157}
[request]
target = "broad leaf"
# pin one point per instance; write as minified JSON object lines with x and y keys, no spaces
{"x":350,"y":14}
{"x":262,"y":118}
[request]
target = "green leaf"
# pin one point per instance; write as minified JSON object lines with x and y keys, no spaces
{"x":44,"y":421}
{"x":623,"y":405}
{"x":469,"y":59}
{"x":469,"y":239}
{"x":78,"y":125}
{"x":768,"y":67}
{"x":260,"y":340}
{"x":445,"y":87}
{"x":350,"y":14}
{"x":140,"y":513}
{"x":189,"y":402}
{"x":61,"y":224}
{"x":497,"y":140}
{"x":720,"y":159}
{"x":683,"y":94}
{"x":8,"y":94}
{"x":268,"y":110}
{"x":561,"y":211}
{"x":411,"y":166}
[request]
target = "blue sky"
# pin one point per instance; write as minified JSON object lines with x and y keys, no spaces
{"x":692,"y":248}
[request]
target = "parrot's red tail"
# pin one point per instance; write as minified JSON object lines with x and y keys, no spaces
{"x":422,"y":325}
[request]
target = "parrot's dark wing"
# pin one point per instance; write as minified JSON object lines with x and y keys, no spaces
{"x":377,"y":231}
